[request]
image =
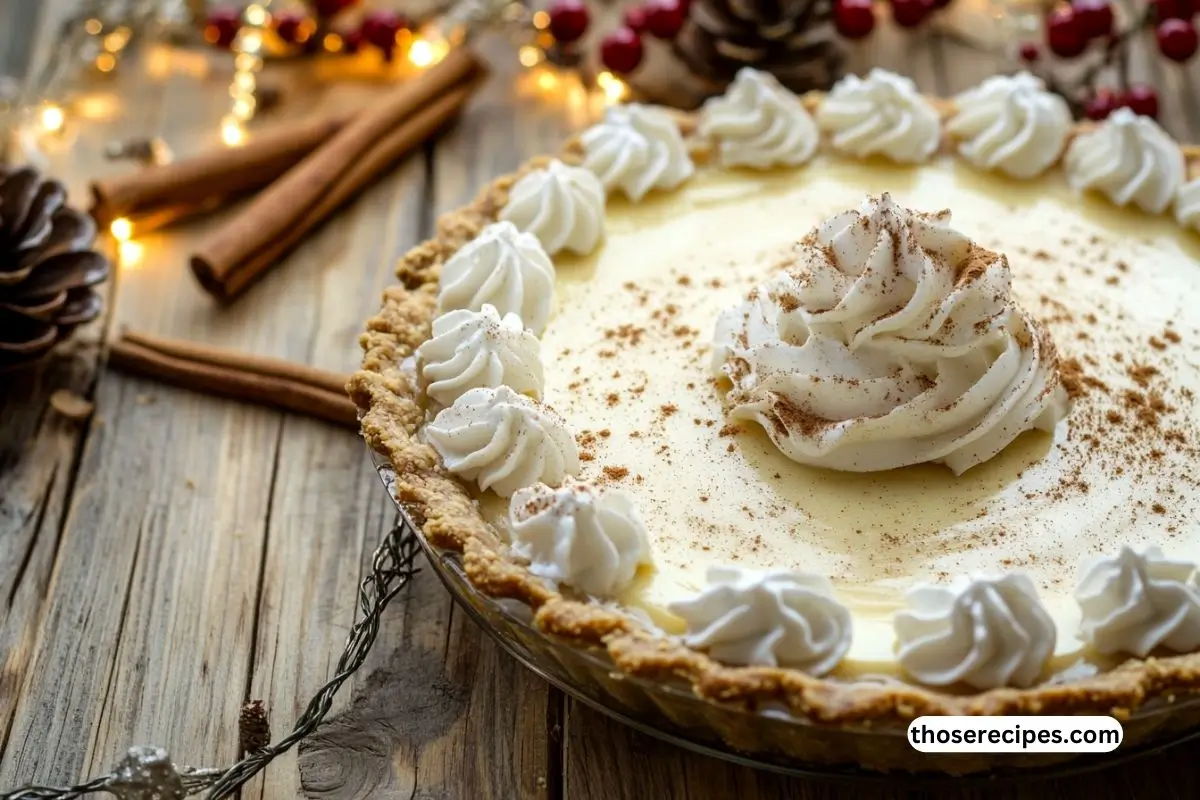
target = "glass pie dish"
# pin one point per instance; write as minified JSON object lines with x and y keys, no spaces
{"x":770,"y":738}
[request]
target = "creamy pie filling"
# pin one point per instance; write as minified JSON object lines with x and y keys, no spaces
{"x":627,"y":357}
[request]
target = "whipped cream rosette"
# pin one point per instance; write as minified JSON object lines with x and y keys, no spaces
{"x":504,"y":268}
{"x":882,"y":114}
{"x":758,"y":123}
{"x":479,"y":349}
{"x":890,"y":340}
{"x":1129,"y":158}
{"x":586,"y":536}
{"x":1012,"y":124}
{"x":773,"y":618}
{"x":636,"y":149}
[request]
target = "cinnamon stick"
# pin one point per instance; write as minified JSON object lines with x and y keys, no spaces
{"x":282,"y":214}
{"x":223,"y":173}
{"x":257,"y":379}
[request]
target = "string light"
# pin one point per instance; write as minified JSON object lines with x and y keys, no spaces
{"x":256,"y":15}
{"x":247,"y":45}
{"x":130,"y":254}
{"x":541,"y":20}
{"x":529,"y":56}
{"x":232,"y":131}
{"x":614,"y":89}
{"x":93,"y":26}
{"x":106,"y":62}
{"x":121,"y":229}
{"x":52,"y":118}
{"x":425,"y":52}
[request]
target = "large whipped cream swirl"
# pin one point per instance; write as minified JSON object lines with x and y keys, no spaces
{"x":890,"y":340}
{"x":1130,"y":159}
{"x":503,"y":268}
{"x":473,"y":349}
{"x":758,"y":123}
{"x":775,"y":618}
{"x":589,"y":538}
{"x":1011,"y":123}
{"x":1134,"y":603}
{"x":562,"y":206}
{"x":1187,"y":204}
{"x":881,"y":114}
{"x":635,"y":149}
{"x":503,"y":440}
{"x":984,"y":632}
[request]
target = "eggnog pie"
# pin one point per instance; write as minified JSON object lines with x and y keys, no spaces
{"x":865,"y":404}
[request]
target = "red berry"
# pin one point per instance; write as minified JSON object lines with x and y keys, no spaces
{"x":379,"y":28}
{"x":328,"y":8}
{"x":854,"y":19}
{"x":222,"y":26}
{"x":1172,"y":9}
{"x":910,"y":13}
{"x":568,"y":20}
{"x":664,"y":18}
{"x":635,"y":19}
{"x":1177,"y":39}
{"x":1101,"y":104}
{"x":1064,"y":35}
{"x":1095,"y":17}
{"x":1141,"y":99}
{"x":621,"y":50}
{"x":288,"y":25}
{"x":1030,"y":52}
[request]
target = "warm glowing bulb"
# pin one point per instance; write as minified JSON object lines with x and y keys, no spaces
{"x":547,"y":80}
{"x":53,"y":119}
{"x":250,"y":42}
{"x":243,"y":108}
{"x":613,"y":87}
{"x":232,"y":132}
{"x":130,"y":254}
{"x":106,"y":62}
{"x":244,"y":81}
{"x":333,"y":43}
{"x":245,"y":62}
{"x":420,"y":54}
{"x":529,"y":56}
{"x":122,"y":229}
{"x":116,"y":40}
{"x":93,"y":26}
{"x":541,"y":20}
{"x":255,"y":15}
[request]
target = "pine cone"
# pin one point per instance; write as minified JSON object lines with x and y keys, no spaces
{"x":47,"y":266}
{"x":791,"y":39}
{"x":254,"y":730}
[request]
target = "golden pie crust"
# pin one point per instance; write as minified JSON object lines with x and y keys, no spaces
{"x":443,"y":509}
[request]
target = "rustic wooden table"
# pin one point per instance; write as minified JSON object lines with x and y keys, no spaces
{"x":177,"y":554}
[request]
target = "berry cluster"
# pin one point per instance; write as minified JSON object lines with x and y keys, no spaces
{"x":855,"y":19}
{"x":1074,"y":29}
{"x":1071,"y":29}
{"x":304,"y":33}
{"x":621,"y":50}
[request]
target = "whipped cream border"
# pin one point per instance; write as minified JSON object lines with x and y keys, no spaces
{"x":1191,"y":157}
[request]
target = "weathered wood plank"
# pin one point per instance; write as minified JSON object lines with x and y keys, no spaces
{"x":39,"y":458}
{"x":332,"y":511}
